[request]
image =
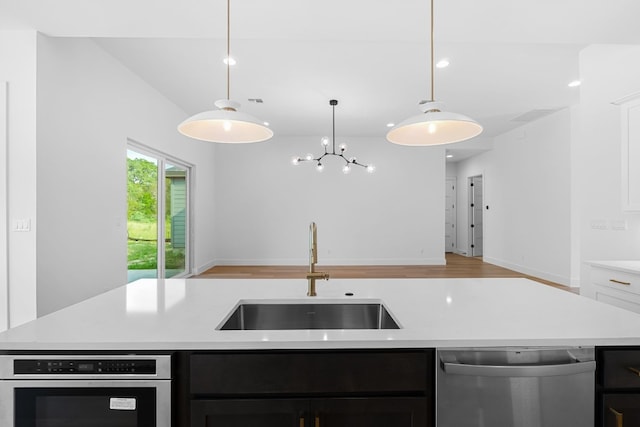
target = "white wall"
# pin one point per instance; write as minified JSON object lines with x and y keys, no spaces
{"x":4,"y":273}
{"x":18,"y":53}
{"x":608,"y":72}
{"x":527,"y":183}
{"x":89,"y":105}
{"x":264,"y":204}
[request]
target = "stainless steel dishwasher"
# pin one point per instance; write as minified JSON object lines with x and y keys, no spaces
{"x":515,"y":387}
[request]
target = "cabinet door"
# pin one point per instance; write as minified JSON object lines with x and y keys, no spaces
{"x":621,"y":410}
{"x":249,"y":412}
{"x":372,"y":412}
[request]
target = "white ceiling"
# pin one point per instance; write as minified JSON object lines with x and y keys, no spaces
{"x":508,"y":57}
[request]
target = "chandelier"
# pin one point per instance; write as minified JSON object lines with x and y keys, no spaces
{"x":325,"y":142}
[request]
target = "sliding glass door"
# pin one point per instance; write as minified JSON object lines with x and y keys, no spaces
{"x":157,"y":215}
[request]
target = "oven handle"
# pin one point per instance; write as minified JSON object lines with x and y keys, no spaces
{"x":519,"y":370}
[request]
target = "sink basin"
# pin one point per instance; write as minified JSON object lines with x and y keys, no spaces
{"x":286,"y":316}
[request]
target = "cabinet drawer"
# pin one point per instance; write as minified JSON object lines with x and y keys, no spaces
{"x":311,"y":372}
{"x":614,"y":279}
{"x":621,"y":368}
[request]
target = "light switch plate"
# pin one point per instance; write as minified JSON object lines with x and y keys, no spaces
{"x":21,"y":225}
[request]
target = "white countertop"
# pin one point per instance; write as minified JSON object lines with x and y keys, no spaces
{"x":629,"y":266}
{"x":183,"y":314}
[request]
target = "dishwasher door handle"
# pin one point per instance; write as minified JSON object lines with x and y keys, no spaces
{"x":519,"y":370}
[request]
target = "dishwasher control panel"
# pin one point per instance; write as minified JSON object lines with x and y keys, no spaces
{"x":84,"y":366}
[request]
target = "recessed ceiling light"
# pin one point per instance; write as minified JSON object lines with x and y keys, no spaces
{"x":229,"y":61}
{"x":443,"y":63}
{"x":390,"y":125}
{"x":449,"y":156}
{"x":266,"y":123}
{"x":575,"y":83}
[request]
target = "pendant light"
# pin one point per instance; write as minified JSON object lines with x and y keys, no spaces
{"x":434,"y":126}
{"x":226,"y":124}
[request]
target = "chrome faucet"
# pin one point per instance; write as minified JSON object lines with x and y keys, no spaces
{"x":312,"y":275}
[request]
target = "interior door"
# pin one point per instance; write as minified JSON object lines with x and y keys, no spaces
{"x":450,"y":215}
{"x":475,"y":215}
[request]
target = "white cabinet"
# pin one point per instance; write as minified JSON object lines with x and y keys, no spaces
{"x":616,"y":283}
{"x":630,"y":150}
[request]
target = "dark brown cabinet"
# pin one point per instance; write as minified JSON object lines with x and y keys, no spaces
{"x":618,"y":388}
{"x":312,"y":388}
{"x":317,"y":412}
{"x":621,"y":410}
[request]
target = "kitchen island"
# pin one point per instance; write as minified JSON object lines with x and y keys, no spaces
{"x":311,"y":377}
{"x":183,"y":314}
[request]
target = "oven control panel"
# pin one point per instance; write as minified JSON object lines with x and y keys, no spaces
{"x":84,"y":366}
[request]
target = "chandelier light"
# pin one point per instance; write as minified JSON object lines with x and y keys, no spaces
{"x":434,"y":126}
{"x":226,"y":124}
{"x":325,"y":142}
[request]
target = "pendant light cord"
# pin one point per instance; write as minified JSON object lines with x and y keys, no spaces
{"x":432,"y":58}
{"x":228,"y":47}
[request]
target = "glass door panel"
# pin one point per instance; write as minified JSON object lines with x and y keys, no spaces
{"x":175,"y":219}
{"x":142,"y":216}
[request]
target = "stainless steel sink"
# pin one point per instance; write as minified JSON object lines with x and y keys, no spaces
{"x":286,"y":316}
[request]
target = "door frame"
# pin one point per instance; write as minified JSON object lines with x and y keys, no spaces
{"x":162,"y":159}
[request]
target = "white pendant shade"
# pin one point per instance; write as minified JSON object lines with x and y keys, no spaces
{"x":434,"y":127}
{"x":226,"y":125}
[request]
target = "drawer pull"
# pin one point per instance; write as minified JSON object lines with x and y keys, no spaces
{"x":620,"y":282}
{"x":634,"y":370}
{"x":618,"y":415}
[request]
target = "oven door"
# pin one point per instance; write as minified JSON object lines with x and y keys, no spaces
{"x":77,"y":403}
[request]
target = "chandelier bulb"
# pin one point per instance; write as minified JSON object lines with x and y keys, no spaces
{"x":296,"y":160}
{"x":371,"y":168}
{"x":343,"y":147}
{"x":325,"y":141}
{"x":309,"y":156}
{"x":346,"y":169}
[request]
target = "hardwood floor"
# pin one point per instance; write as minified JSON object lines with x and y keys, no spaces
{"x":457,"y":266}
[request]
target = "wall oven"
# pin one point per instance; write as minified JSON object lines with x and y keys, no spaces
{"x":87,"y":390}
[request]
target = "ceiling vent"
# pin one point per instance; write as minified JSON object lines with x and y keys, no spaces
{"x":256,"y":100}
{"x":532,"y":115}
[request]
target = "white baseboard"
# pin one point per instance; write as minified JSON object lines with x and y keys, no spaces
{"x":201,"y":269}
{"x":325,"y":261}
{"x":562,"y":280}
